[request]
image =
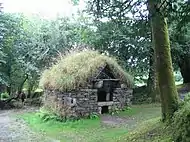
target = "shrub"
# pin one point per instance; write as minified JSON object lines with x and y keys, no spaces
{"x":46,"y":115}
{"x":4,"y":95}
{"x":94,"y":116}
{"x":141,"y":96}
{"x":187,"y":98}
{"x":181,"y":122}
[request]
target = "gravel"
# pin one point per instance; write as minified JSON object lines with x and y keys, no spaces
{"x":13,"y":129}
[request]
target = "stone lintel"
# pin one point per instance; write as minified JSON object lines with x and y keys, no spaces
{"x":105,"y":103}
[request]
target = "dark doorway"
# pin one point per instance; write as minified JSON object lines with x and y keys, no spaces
{"x":101,"y":96}
{"x":111,"y":96}
{"x":104,"y":109}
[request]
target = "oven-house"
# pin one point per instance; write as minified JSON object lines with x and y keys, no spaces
{"x":86,"y":82}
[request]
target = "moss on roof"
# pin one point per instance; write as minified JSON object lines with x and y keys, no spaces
{"x":75,"y":69}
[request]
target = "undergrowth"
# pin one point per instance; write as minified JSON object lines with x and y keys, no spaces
{"x":4,"y":96}
{"x":154,"y":130}
{"x":47,"y":115}
{"x":181,"y":122}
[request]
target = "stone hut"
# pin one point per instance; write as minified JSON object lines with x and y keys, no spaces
{"x":84,"y":83}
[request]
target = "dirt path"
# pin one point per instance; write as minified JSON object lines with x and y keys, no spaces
{"x":117,"y":121}
{"x":16,"y":130}
{"x":131,"y":121}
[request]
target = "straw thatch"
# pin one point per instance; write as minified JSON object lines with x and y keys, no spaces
{"x":75,"y":70}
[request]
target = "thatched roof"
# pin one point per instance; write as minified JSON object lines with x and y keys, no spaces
{"x":76,"y":69}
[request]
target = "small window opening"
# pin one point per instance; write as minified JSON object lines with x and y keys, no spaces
{"x":101,"y":96}
{"x":71,"y":101}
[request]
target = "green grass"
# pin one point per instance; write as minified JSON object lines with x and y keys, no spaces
{"x":93,"y":130}
{"x":137,"y":114}
{"x":85,"y":130}
{"x":143,"y":109}
{"x":152,"y":130}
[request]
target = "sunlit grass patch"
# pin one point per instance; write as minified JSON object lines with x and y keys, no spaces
{"x":142,"y":111}
{"x":89,"y":130}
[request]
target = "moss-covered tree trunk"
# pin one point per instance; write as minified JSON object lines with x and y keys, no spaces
{"x":168,"y":91}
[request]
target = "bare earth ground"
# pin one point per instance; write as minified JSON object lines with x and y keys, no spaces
{"x":132,"y":121}
{"x":13,"y":129}
{"x":117,"y":121}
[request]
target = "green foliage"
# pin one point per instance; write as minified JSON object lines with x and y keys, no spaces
{"x":4,"y":95}
{"x":187,"y":98}
{"x":28,"y":45}
{"x":181,"y":122}
{"x":94,"y":116}
{"x":126,"y":41}
{"x":46,"y":115}
{"x":141,"y":96}
{"x":76,"y":69}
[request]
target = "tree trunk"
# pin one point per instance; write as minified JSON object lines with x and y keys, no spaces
{"x":168,"y":91}
{"x":9,"y":90}
{"x":152,"y":84}
{"x":22,"y":84}
{"x":30,"y":89}
{"x":184,"y":66}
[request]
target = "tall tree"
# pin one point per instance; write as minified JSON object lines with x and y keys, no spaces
{"x":164,"y":67}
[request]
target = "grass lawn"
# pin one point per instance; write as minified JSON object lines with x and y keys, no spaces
{"x":94,"y":130}
{"x":86,"y":130}
{"x":152,"y":130}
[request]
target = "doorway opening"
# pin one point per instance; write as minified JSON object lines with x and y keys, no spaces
{"x":104,"y":109}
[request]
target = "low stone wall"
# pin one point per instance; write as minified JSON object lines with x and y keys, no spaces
{"x":86,"y":102}
{"x":122,"y":98}
{"x":72,"y":104}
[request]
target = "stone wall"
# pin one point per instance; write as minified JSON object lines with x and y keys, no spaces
{"x":86,"y":103}
{"x":83,"y":102}
{"x":80,"y":103}
{"x":121,"y":98}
